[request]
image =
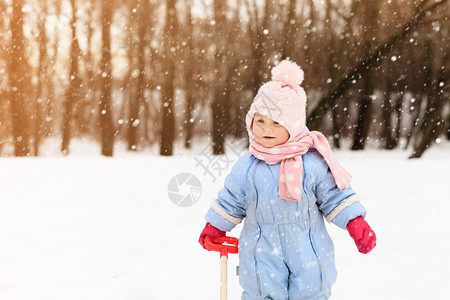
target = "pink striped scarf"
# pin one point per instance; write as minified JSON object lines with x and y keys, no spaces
{"x":290,"y":155}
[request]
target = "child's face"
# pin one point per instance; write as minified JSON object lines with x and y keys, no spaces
{"x":267,"y":132}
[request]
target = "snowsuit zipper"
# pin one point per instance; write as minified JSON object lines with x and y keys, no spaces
{"x":310,"y":233}
{"x":258,"y":279}
{"x":313,"y":246}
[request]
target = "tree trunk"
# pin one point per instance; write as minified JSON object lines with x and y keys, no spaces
{"x":19,"y":82}
{"x":168,"y":89}
{"x":415,"y":120}
{"x":363,"y":124}
{"x":337,"y":110}
{"x":365,"y":104}
{"x":92,"y":82}
{"x":448,"y":129}
{"x":128,"y":84}
{"x":41,"y":79}
{"x":386,"y":112}
{"x":434,"y":123}
{"x":135,"y":103}
{"x":259,"y":33}
{"x":72,"y":95}
{"x":433,"y":130}
{"x":427,"y":89}
{"x":188,"y":77}
{"x":399,"y":114}
{"x":308,"y":45}
{"x":105,"y":112}
{"x":218,"y":104}
{"x":290,"y":31}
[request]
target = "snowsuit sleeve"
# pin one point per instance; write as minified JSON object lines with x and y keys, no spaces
{"x":228,"y":209}
{"x":337,"y":206}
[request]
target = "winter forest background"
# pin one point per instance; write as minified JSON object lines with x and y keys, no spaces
{"x":152,"y":72}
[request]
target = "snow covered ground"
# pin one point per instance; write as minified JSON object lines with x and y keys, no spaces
{"x":89,"y":227}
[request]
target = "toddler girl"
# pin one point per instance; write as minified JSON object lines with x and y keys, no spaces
{"x":284,"y":187}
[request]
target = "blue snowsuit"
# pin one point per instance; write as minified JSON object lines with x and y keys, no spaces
{"x":285,"y":251}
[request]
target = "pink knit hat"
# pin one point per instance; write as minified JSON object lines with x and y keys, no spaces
{"x":282,"y":99}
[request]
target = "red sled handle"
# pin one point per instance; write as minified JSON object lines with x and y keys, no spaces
{"x":223,"y":244}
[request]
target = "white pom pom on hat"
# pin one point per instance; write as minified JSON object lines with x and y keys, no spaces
{"x":288,"y":72}
{"x":282,"y":99}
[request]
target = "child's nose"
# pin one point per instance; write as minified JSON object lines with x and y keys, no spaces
{"x":268,"y":129}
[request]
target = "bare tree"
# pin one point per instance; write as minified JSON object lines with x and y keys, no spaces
{"x":189,"y":62}
{"x":369,"y":29}
{"x":42,"y":78}
{"x":331,"y":41}
{"x":311,"y":25}
{"x":72,"y":94}
{"x":220,"y":73}
{"x":434,"y":121}
{"x":88,"y":105}
{"x":105,"y":112}
{"x":168,"y":89}
{"x":290,"y":31}
{"x":259,"y":30}
{"x":135,"y":103}
{"x":19,"y":82}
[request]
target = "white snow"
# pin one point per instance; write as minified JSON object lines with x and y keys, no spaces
{"x":89,"y":227}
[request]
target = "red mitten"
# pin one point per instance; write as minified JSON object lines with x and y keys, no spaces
{"x":364,"y":236}
{"x":210,"y":231}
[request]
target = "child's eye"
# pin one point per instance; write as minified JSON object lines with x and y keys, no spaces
{"x":260,"y":121}
{"x":276,"y":123}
